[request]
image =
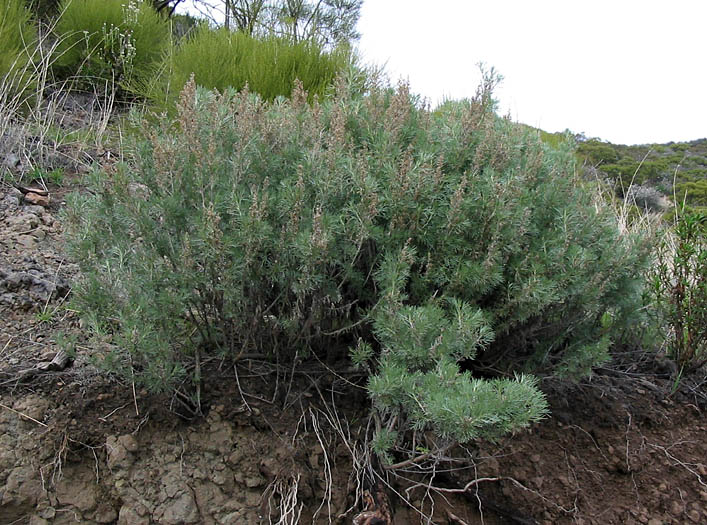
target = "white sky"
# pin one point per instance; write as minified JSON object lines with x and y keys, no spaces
{"x":627,"y":71}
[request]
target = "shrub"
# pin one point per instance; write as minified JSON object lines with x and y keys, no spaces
{"x":694,"y":193}
{"x":220,"y":59}
{"x":426,"y":245}
{"x":18,"y":39}
{"x":680,"y":288}
{"x":647,"y":199}
{"x":117,"y":41}
{"x":597,"y":153}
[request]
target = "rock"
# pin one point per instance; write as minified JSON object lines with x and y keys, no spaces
{"x":129,"y":442}
{"x":10,"y":201}
{"x":23,"y":222}
{"x":233,"y":517}
{"x":105,"y":514}
{"x":36,"y":199}
{"x":27,"y":242}
{"x":22,"y":487}
{"x":270,"y":467}
{"x":179,"y":510}
{"x":38,"y":285}
{"x":253,"y":498}
{"x":78,"y":489}
{"x":219,"y":478}
{"x":221,"y":437}
{"x":118,"y":455}
{"x":129,"y":516}
{"x":254,"y":481}
{"x":34,"y":210}
{"x":33,"y":406}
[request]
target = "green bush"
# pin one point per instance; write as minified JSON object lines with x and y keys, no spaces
{"x":597,"y":153}
{"x":117,"y":41}
{"x":425,"y":245}
{"x":693,"y":193}
{"x":220,"y":59}
{"x":18,"y":40}
{"x":680,"y":289}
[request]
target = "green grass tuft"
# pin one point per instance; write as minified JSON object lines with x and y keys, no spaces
{"x":18,"y":39}
{"x":220,"y":59}
{"x":110,"y":41}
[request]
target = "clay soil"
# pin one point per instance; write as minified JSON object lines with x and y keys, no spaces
{"x":628,"y":445}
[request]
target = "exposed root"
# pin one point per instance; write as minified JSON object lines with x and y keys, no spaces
{"x":282,"y":500}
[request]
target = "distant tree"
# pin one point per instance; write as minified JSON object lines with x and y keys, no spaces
{"x":328,"y":22}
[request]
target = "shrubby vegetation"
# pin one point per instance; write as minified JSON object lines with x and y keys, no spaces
{"x":448,"y":254}
{"x":18,"y":38}
{"x":680,"y":289}
{"x":221,"y":59}
{"x":115,"y":41}
{"x":425,"y":245}
{"x":678,"y":170}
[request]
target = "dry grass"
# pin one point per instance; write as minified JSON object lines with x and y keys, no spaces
{"x":40,"y":124}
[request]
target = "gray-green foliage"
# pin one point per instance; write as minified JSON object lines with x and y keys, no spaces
{"x":420,"y":241}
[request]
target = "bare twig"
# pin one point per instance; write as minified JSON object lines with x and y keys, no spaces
{"x":105,"y":418}
{"x":23,"y":415}
{"x":420,"y":459}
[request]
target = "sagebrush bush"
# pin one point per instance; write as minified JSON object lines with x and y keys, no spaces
{"x":425,"y":245}
{"x":120,"y":41}
{"x":18,"y":40}
{"x":221,"y":59}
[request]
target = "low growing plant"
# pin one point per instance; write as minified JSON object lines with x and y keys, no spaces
{"x":426,"y":246}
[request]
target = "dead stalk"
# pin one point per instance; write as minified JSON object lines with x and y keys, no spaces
{"x":23,"y":415}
